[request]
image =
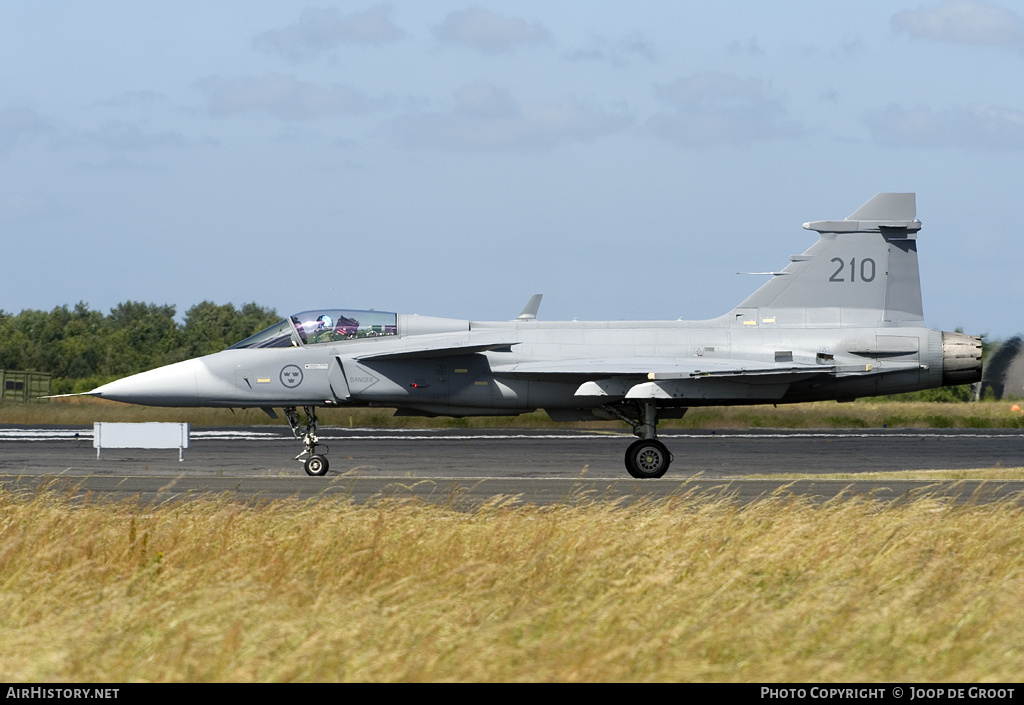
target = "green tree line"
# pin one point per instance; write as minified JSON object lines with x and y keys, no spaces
{"x":81,"y":347}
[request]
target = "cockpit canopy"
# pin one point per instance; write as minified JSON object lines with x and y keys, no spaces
{"x":323,"y":326}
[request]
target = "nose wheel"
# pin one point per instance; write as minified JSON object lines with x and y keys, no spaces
{"x":316,"y":463}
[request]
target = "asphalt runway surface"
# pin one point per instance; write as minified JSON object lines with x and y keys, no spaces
{"x":461,"y":466}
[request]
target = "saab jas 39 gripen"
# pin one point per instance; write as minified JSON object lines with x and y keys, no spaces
{"x":842,"y":320}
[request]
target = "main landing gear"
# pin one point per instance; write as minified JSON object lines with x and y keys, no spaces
{"x":647,"y":457}
{"x":316,"y":464}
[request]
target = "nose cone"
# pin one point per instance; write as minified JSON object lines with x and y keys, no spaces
{"x":173,"y":385}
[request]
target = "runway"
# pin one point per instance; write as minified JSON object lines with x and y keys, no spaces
{"x":470,"y":465}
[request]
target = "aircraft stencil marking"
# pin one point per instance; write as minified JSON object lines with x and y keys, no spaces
{"x":815,"y":342}
{"x":360,"y":383}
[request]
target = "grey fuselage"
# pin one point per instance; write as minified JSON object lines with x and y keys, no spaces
{"x":542,"y":365}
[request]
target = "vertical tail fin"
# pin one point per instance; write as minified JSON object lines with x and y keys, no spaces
{"x":861,"y":272}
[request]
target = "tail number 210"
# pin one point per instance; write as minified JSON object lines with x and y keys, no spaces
{"x":866,"y":270}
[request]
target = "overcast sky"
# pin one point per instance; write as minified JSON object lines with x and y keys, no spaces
{"x":451,"y":159}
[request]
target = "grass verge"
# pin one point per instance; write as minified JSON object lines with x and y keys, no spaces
{"x":861,"y":414}
{"x":994,"y":474}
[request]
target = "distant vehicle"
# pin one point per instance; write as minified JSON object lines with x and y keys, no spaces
{"x":842,"y":320}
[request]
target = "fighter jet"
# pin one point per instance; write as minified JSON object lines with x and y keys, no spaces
{"x":840,"y":321}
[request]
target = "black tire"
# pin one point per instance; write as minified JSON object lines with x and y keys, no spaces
{"x":316,"y":465}
{"x":647,"y":459}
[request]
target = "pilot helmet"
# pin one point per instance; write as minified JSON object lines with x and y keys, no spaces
{"x":325,"y":322}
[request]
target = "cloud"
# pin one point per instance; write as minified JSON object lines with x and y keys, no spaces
{"x":133,"y":100}
{"x":747,"y":48}
{"x":978,"y":128}
{"x":717,"y":108}
{"x":121,"y":135}
{"x":283,"y":96}
{"x":488,"y":32}
{"x":963,"y":22}
{"x":18,"y":125}
{"x":487,"y":118}
{"x":121,"y":163}
{"x":322,"y":29}
{"x":617,"y":52}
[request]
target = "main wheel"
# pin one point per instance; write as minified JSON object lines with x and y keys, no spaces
{"x":316,"y":465}
{"x":647,"y":459}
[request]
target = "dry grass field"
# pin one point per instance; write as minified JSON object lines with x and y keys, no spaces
{"x":687,"y":589}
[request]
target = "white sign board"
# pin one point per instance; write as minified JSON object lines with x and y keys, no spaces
{"x":140,"y":435}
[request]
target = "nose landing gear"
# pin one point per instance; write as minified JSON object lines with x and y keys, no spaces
{"x":316,"y":464}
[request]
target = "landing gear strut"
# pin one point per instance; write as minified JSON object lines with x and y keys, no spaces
{"x":647,"y":457}
{"x":316,"y":464}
